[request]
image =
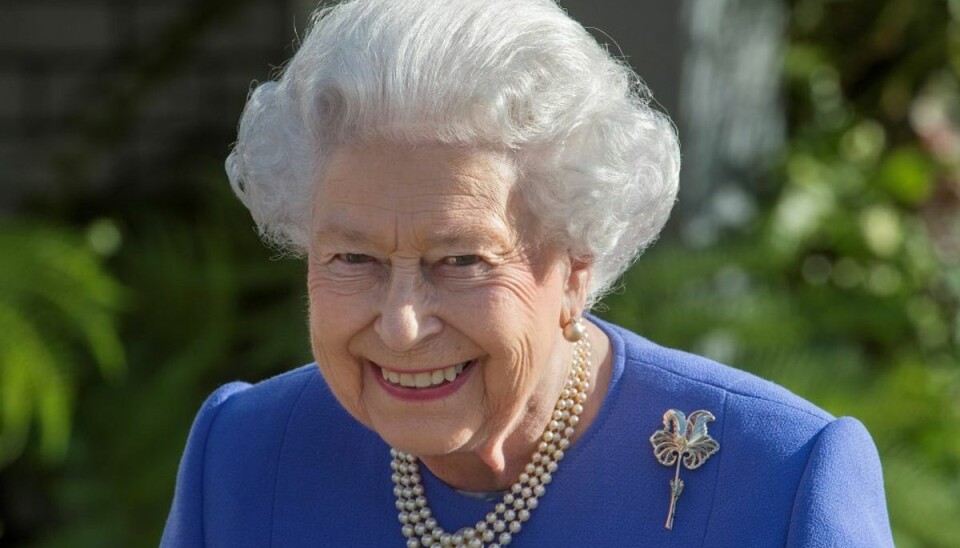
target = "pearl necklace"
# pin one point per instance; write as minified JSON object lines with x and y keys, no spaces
{"x":500,"y":525}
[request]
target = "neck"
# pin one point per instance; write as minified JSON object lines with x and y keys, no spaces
{"x":496,"y":465}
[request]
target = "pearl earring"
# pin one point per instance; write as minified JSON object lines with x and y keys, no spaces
{"x":574,"y":330}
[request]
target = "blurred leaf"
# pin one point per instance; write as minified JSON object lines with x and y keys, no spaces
{"x":907,"y":175}
{"x":55,"y":298}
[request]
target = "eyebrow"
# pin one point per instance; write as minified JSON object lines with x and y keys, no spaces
{"x":448,"y":237}
{"x":339,"y":232}
{"x":465,"y":233}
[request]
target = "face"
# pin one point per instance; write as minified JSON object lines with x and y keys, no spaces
{"x":431,"y":320}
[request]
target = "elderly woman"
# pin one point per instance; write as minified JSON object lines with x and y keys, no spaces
{"x":466,"y":178}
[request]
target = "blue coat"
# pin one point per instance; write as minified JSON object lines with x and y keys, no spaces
{"x":281,"y":464}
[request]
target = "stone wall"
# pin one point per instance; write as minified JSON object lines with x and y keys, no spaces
{"x":103,"y":94}
{"x":97,"y":93}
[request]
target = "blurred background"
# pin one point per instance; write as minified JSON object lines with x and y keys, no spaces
{"x":816,"y":242}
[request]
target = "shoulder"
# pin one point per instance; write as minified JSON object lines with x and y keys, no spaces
{"x":240,"y":417}
{"x":245,"y":444}
{"x":689,"y":374}
{"x":802,"y":461}
{"x":756,"y":415}
{"x":254,"y":419}
{"x":244,"y":410}
{"x":268,"y":399}
{"x":842,"y":477}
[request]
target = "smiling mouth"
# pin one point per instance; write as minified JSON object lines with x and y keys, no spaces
{"x":426,"y":379}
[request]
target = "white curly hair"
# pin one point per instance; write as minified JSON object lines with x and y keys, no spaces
{"x":599,"y":164}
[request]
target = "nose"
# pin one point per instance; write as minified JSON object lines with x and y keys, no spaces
{"x":406,"y":315}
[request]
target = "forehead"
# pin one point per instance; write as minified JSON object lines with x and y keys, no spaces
{"x":445,"y":189}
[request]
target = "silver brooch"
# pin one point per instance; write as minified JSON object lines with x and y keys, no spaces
{"x":683,"y":440}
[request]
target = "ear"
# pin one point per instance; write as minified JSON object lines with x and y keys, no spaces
{"x":576,"y":287}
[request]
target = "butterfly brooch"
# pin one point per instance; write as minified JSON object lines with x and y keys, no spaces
{"x":683,"y":439}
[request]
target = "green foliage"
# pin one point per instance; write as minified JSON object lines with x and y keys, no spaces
{"x":56,"y":300}
{"x":203,"y":302}
{"x":846,"y":289}
{"x":207,"y":304}
{"x":850,"y":350}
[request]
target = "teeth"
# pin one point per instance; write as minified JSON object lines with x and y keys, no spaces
{"x":423,"y":380}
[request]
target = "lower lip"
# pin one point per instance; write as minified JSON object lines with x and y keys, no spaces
{"x":426,"y":393}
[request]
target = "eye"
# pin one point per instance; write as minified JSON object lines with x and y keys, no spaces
{"x":461,"y":260}
{"x":354,"y":258}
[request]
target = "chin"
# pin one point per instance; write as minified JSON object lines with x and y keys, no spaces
{"x":423,"y":438}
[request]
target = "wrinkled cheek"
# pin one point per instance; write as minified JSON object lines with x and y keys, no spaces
{"x":520,"y":364}
{"x":342,"y":373}
{"x":509,"y":381}
{"x":330,"y":334}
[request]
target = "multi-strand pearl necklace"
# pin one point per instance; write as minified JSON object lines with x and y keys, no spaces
{"x":500,"y":525}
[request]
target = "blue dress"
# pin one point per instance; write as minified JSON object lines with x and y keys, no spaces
{"x":281,"y":464}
